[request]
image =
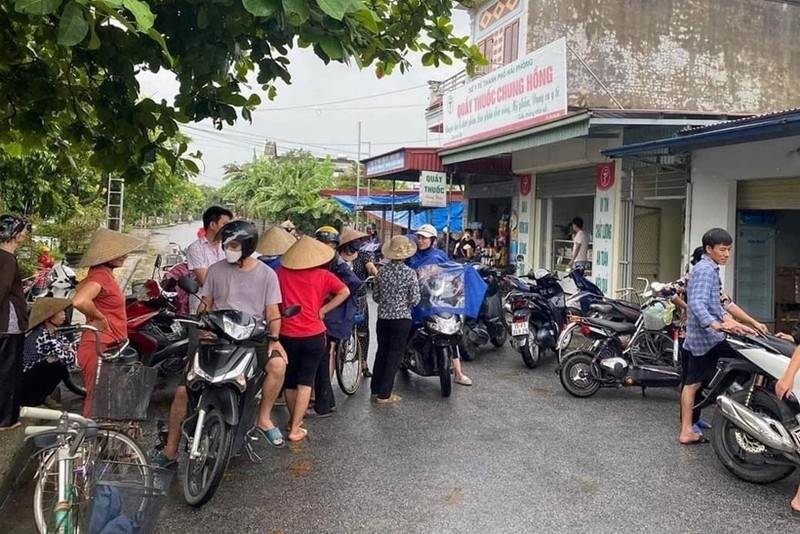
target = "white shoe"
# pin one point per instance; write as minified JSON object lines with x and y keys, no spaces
{"x":464,"y":380}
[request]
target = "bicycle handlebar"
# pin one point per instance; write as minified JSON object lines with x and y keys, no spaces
{"x":36,"y":430}
{"x":51,"y":415}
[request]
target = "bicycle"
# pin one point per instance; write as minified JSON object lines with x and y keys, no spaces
{"x":349,"y":357}
{"x":69,"y":452}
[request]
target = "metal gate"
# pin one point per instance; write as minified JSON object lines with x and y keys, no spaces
{"x":646,"y":243}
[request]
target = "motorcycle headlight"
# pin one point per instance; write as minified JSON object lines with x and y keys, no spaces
{"x":444,"y":325}
{"x":236,"y":331}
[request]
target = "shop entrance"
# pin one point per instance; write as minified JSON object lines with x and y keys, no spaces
{"x":555,"y":238}
{"x":489,"y":219}
{"x":767,"y":256}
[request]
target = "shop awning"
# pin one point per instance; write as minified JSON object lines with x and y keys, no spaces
{"x":408,"y":212}
{"x":761,"y":128}
{"x":573,"y":125}
{"x":404,"y":164}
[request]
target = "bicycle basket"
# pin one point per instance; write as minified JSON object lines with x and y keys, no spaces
{"x":126,"y":497}
{"x":122,"y":391}
{"x":657,"y":315}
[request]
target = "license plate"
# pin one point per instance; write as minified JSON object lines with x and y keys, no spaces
{"x":176,"y":328}
{"x":519,"y":329}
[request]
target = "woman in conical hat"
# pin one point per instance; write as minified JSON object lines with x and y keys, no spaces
{"x":273,"y":244}
{"x":100,"y":299}
{"x":363,"y":265}
{"x":46,"y":354}
{"x":305,"y":281}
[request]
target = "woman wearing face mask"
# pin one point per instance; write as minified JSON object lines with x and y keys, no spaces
{"x":363,"y":265}
{"x":100,"y":299}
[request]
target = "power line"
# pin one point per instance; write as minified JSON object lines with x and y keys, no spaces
{"x":344,"y":101}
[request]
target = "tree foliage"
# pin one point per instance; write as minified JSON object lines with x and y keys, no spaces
{"x":284,"y":188}
{"x":68,"y":67}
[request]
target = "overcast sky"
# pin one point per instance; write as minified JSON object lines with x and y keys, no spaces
{"x":388,"y":121}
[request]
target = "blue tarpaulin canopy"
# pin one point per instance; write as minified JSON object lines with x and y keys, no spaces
{"x":406,"y":204}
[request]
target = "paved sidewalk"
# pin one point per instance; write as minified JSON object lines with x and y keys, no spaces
{"x":14,"y":452}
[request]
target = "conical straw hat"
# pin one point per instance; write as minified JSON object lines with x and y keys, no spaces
{"x":399,"y":248}
{"x":107,"y":245}
{"x":287,"y":225}
{"x":306,"y":253}
{"x":275,"y":242}
{"x":349,"y":235}
{"x":44,"y":308}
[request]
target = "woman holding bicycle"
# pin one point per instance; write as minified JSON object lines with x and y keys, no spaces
{"x":363,"y":265}
{"x":101,"y":300}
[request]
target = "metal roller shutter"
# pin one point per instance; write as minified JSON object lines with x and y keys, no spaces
{"x":768,"y":194}
{"x":573,"y":182}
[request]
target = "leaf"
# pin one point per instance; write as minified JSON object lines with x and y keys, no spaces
{"x":190,"y":165}
{"x":332,"y":47}
{"x":12,"y":149}
{"x":336,"y":9}
{"x":73,"y":26}
{"x":297,"y":11}
{"x":157,"y":37}
{"x":94,"y":40}
{"x":37,"y":7}
{"x":261,"y":8}
{"x":141,"y":12}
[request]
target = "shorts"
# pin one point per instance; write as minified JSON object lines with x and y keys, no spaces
{"x":305,"y":355}
{"x":700,"y":369}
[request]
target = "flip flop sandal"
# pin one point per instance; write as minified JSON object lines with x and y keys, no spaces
{"x":302,"y":431}
{"x":273,"y":436}
{"x":163,"y":461}
{"x":703,"y":425}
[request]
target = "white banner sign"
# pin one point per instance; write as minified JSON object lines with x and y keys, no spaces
{"x":433,"y":189}
{"x":519,"y":95}
{"x":605,"y":206}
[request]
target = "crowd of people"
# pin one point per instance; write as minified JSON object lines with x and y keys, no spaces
{"x":236,"y":268}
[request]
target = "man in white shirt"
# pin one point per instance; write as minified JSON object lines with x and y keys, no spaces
{"x":580,"y":245}
{"x":207,"y":250}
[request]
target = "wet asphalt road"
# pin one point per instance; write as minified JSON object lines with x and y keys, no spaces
{"x":513,"y":453}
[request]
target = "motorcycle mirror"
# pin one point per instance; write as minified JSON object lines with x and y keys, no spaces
{"x":291,"y":311}
{"x":189,"y":285}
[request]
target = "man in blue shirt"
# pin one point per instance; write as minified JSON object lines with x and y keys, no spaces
{"x":706,"y":326}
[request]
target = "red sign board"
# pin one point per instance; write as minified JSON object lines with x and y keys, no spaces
{"x":524,"y":185}
{"x":605,"y":176}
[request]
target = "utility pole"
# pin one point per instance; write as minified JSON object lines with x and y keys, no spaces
{"x":358,"y":175}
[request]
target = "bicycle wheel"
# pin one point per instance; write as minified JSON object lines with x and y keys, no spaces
{"x":111,"y":450}
{"x":348,"y":364}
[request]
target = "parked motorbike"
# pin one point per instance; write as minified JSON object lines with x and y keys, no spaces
{"x":756,"y":435}
{"x":490,"y":325}
{"x":161,"y":341}
{"x":224,"y":386}
{"x":431,"y":348}
{"x":538,"y":316}
{"x":642,"y":354}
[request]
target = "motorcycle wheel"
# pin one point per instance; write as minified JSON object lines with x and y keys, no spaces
{"x":531,"y":353}
{"x":576,"y":375}
{"x":204,"y":474}
{"x":445,"y":380}
{"x":500,"y":339}
{"x":731,"y":444}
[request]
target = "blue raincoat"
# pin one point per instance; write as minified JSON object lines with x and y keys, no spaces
{"x":447,"y":287}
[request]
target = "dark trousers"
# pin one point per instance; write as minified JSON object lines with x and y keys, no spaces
{"x":324,"y":400}
{"x":40,"y":381}
{"x":392,"y":338}
{"x":10,"y":377}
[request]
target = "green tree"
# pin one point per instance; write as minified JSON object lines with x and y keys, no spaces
{"x":284,"y":188}
{"x":68,"y":67}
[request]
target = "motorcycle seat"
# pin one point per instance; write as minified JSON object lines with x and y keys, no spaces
{"x":601,"y":308}
{"x":783,"y":347}
{"x":619,"y":328}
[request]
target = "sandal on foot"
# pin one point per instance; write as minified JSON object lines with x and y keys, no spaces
{"x":366,"y":373}
{"x":702,"y":424}
{"x":304,"y":435}
{"x":699,"y":441}
{"x":391,"y":399}
{"x":464,"y":380}
{"x":273,"y":436}
{"x":163,"y":461}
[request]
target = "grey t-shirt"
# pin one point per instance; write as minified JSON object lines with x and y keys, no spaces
{"x":247,"y":291}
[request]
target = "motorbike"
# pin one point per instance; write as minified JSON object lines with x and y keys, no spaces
{"x":160,"y":340}
{"x":537,"y":316}
{"x":490,"y":325}
{"x":432,"y":346}
{"x":224,"y":387}
{"x":756,"y":435}
{"x":641,"y":354}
